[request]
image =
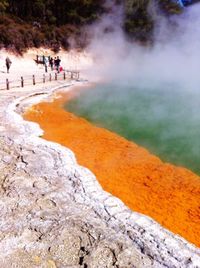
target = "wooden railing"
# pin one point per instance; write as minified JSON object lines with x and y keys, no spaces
{"x":37,"y":79}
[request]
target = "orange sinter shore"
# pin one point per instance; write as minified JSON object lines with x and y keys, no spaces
{"x":168,"y":194}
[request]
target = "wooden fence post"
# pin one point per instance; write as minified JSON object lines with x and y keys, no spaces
{"x":34,"y":80}
{"x":43,"y":78}
{"x":64,"y":75}
{"x":22,"y":81}
{"x":50,"y":77}
{"x":56,"y":77}
{"x":7,"y":84}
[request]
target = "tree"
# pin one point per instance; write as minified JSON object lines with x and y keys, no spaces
{"x":3,"y":5}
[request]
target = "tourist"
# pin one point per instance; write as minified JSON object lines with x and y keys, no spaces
{"x":8,"y":64}
{"x":46,"y":64}
{"x":51,"y":63}
{"x":54,"y":62}
{"x":57,"y":64}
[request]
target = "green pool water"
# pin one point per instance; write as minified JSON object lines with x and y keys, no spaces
{"x":165,"y":121}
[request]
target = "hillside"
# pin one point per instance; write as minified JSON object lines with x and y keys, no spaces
{"x":55,"y":24}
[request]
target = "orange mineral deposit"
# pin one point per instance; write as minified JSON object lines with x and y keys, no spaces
{"x":168,"y":194}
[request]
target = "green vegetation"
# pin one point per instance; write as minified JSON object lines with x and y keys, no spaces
{"x":50,"y":23}
{"x":3,"y":5}
{"x":139,"y":20}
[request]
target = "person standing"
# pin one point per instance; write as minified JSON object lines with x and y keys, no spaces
{"x":46,"y":64}
{"x":51,"y":63}
{"x":54,"y":62}
{"x":8,"y":64}
{"x":57,"y":64}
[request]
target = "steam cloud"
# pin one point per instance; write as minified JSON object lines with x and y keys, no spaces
{"x":167,"y":120}
{"x":173,"y":59}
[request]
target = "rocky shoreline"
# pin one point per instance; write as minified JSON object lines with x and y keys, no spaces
{"x":54,"y":213}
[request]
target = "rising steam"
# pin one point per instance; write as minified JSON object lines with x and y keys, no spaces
{"x":174,"y":58}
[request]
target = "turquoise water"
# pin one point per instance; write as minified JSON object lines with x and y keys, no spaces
{"x":165,"y":121}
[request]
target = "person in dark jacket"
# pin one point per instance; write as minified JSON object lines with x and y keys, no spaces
{"x":8,"y":64}
{"x":45,"y":64}
{"x":51,"y":62}
{"x":57,"y":64}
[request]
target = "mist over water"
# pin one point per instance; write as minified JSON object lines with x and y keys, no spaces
{"x":150,"y":95}
{"x":173,"y":58}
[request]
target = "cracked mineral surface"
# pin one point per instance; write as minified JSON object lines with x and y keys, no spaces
{"x":54,"y":213}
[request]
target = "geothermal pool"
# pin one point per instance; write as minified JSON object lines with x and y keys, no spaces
{"x":164,"y":121}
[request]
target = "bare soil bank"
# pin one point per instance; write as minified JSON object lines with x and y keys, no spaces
{"x":169,"y":194}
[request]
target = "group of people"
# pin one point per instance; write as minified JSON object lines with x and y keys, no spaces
{"x":53,"y":63}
